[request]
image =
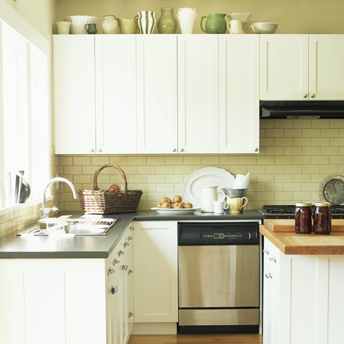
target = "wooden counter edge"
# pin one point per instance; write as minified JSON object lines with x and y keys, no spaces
{"x":299,"y":249}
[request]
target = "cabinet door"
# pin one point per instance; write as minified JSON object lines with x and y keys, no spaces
{"x":326,"y":68}
{"x":283,"y":67}
{"x":198,"y":93}
{"x":116,"y":94}
{"x":157,"y":93}
{"x":155,"y":278}
{"x":239,"y":93}
{"x":74,"y":84}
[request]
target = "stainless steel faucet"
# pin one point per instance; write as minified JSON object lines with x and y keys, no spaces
{"x":46,"y":211}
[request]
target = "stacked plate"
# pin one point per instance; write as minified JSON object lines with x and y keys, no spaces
{"x":79,"y":22}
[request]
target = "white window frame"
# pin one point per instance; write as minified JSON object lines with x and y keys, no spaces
{"x":11,"y":18}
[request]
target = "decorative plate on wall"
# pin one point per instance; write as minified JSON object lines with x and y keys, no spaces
{"x":332,"y":189}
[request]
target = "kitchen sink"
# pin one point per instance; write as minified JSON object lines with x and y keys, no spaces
{"x":87,"y":225}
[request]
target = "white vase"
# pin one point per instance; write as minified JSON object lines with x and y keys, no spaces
{"x":186,"y":17}
{"x":146,"y":22}
{"x":208,"y":195}
{"x":110,"y":24}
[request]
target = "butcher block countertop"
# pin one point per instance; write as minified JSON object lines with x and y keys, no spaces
{"x":288,"y":242}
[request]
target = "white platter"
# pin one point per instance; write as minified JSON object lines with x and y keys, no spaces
{"x":171,"y":211}
{"x":204,"y":177}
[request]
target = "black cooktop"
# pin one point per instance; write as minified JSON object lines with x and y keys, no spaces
{"x":288,"y":211}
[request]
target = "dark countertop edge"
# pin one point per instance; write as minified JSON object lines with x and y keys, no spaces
{"x":116,"y":235}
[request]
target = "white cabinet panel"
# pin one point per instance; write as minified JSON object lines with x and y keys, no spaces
{"x":198,"y":82}
{"x":116,"y":94}
{"x":284,"y":67}
{"x":326,"y":68}
{"x":157,"y":93}
{"x":239,"y":94}
{"x":74,"y":85}
{"x":155,"y":279}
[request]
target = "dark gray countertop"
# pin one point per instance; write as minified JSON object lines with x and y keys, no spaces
{"x":45,"y":247}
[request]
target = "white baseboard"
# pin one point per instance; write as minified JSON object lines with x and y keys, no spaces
{"x":154,"y":328}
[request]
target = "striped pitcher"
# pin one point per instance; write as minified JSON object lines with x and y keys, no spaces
{"x":146,"y":21}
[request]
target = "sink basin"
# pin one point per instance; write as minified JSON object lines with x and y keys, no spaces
{"x":88,"y":225}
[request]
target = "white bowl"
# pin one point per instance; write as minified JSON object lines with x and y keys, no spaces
{"x":79,"y":22}
{"x":240,"y":16}
{"x":264,"y":27}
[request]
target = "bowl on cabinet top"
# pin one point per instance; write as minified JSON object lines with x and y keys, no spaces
{"x":79,"y":22}
{"x":265,"y":27}
{"x":239,"y":16}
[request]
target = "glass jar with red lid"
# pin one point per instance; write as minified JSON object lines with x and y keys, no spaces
{"x":322,"y":218}
{"x":303,"y":218}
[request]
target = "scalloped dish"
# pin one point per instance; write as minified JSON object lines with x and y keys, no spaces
{"x":171,"y":211}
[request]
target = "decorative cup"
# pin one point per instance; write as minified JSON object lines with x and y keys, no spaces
{"x":236,"y":204}
{"x":235,"y":27}
{"x":219,"y":207}
{"x":63,"y":27}
{"x":91,"y":28}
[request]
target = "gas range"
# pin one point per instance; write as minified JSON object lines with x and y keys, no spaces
{"x":288,"y":211}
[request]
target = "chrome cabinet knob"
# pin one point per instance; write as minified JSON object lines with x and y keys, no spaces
{"x":305,"y":95}
{"x":256,"y":150}
{"x":175,"y":149}
{"x":110,"y":271}
{"x":130,"y":272}
{"x":120,"y":253}
{"x":268,"y":275}
{"x":131,"y":314}
{"x":91,"y":150}
{"x":132,"y":228}
{"x":182,"y":150}
{"x":312,"y":95}
{"x":100,"y":150}
{"x":115,"y":261}
{"x":273,"y":259}
{"x":126,"y":244}
{"x":130,"y":238}
{"x":114,"y":290}
{"x":266,"y":251}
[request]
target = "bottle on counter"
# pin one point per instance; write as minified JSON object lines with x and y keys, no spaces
{"x":322,"y":218}
{"x":303,"y":218}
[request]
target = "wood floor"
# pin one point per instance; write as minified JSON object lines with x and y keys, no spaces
{"x":197,"y":339}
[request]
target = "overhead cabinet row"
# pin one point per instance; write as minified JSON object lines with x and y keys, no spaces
{"x":156,"y":94}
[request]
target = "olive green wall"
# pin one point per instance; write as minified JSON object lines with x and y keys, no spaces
{"x":293,"y":16}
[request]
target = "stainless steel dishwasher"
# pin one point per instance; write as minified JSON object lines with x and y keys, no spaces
{"x":218,"y":277}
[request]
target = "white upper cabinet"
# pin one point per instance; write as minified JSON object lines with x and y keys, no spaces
{"x":157,"y":93}
{"x":239,"y":93}
{"x":284,"y":67}
{"x":116,"y":94}
{"x":74,"y":84}
{"x":301,"y":67}
{"x":326,"y":67}
{"x":198,"y":83}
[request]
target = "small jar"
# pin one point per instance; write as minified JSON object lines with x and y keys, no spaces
{"x":322,"y":218}
{"x":303,"y":218}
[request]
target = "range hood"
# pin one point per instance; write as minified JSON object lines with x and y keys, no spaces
{"x":302,"y":109}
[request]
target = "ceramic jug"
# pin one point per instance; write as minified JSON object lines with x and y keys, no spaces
{"x":235,"y":27}
{"x":186,"y":17}
{"x":208,"y":195}
{"x":167,"y":23}
{"x":110,"y":24}
{"x":216,"y":23}
{"x":127,"y":26}
{"x":236,"y":204}
{"x":146,"y":22}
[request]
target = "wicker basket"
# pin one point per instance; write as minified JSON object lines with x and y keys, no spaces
{"x":109,"y":202}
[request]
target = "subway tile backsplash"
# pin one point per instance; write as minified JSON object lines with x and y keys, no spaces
{"x":295,"y":156}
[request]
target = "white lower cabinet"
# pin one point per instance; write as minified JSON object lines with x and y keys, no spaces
{"x":155,"y":278}
{"x":68,"y":301}
{"x":303,"y":298}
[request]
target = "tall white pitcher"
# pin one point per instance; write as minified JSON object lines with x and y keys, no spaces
{"x":186,"y":17}
{"x":208,"y":195}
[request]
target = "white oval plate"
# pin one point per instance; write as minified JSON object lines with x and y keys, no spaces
{"x":204,"y":177}
{"x":171,"y":211}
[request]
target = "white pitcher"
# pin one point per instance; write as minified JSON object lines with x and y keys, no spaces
{"x":186,"y":17}
{"x":208,"y":195}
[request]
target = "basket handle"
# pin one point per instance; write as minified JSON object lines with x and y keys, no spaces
{"x":95,"y":177}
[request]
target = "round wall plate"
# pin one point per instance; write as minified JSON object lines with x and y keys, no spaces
{"x":332,"y":189}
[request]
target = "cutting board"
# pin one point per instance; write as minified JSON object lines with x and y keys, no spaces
{"x":288,"y":225}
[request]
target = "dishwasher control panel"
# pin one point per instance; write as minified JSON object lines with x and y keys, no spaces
{"x":232,"y":233}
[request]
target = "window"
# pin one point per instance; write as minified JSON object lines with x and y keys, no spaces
{"x":24,"y":115}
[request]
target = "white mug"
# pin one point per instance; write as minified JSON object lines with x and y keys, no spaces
{"x":219,"y":207}
{"x":235,"y":26}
